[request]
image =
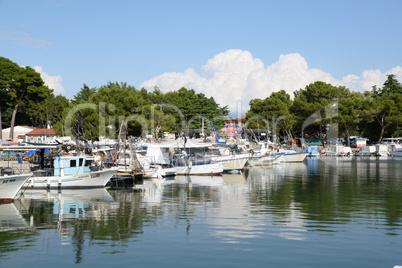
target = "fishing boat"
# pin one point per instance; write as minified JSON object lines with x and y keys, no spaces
{"x":233,"y":159}
{"x":367,"y":150}
{"x":397,"y":152}
{"x":70,"y":172}
{"x":155,"y":158}
{"x":337,"y":150}
{"x":191,"y":158}
{"x":381,"y":150}
{"x":265,"y":160}
{"x":10,"y":185}
{"x":291,"y":156}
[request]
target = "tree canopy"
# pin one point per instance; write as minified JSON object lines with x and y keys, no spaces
{"x":26,"y":100}
{"x":23,"y":90}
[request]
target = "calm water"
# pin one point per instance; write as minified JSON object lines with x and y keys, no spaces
{"x":332,"y":212}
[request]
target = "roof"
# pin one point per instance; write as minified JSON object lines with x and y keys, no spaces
{"x":42,"y":132}
{"x":19,"y":129}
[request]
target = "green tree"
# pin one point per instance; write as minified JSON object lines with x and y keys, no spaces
{"x":351,"y":113}
{"x":391,"y":85}
{"x":312,"y":102}
{"x":84,"y":94}
{"x":117,"y":102}
{"x":7,"y":67}
{"x":384,"y":107}
{"x":21,"y":84}
{"x":49,"y":110}
{"x":274,"y":109}
{"x":189,"y":106}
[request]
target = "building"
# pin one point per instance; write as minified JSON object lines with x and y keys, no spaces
{"x":18,"y":131}
{"x":40,"y":135}
{"x":238,"y":120}
{"x":30,"y":134}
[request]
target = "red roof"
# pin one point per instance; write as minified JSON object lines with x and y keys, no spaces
{"x":42,"y":132}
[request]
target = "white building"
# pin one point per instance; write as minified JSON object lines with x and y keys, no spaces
{"x":18,"y":131}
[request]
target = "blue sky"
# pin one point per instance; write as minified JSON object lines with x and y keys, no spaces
{"x":231,"y":50}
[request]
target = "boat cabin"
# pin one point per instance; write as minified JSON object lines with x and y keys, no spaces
{"x":72,"y":165}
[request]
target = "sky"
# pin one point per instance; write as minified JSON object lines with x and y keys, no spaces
{"x":233,"y":51}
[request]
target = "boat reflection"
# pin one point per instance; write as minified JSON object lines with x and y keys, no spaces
{"x":11,"y":218}
{"x":205,"y":181}
{"x":68,"y":204}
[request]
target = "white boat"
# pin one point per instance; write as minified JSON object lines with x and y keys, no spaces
{"x":265,"y":160}
{"x":397,"y":152}
{"x":153,"y":170}
{"x":70,"y":172}
{"x":128,"y":164}
{"x":233,"y":163}
{"x":10,"y":185}
{"x":155,"y":159}
{"x":381,"y":150}
{"x":338,"y":150}
{"x":291,"y":156}
{"x":367,"y":150}
{"x":233,"y":159}
{"x":190,"y":158}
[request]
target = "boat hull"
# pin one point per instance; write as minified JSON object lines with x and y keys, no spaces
{"x":397,"y":153}
{"x":95,"y":179}
{"x":159,"y":172}
{"x":213,"y":168}
{"x":233,"y":163}
{"x":265,"y":160}
{"x":294,"y":157}
{"x":10,"y":185}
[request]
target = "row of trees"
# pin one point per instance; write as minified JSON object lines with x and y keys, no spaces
{"x":373,"y":114}
{"x":142,"y":111}
{"x":26,"y":100}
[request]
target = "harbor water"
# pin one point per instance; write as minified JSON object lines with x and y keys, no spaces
{"x":324,"y":212}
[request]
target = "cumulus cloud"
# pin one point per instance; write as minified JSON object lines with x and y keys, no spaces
{"x":234,"y":77}
{"x":53,"y":82}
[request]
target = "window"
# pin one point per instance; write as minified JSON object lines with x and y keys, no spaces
{"x":73,"y":163}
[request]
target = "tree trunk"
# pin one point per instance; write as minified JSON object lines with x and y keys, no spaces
{"x":1,"y":126}
{"x":15,"y":112}
{"x":382,"y":133}
{"x":383,"y":126}
{"x":347,"y":135}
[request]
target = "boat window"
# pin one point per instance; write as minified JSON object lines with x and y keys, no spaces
{"x":88,"y":163}
{"x":73,"y":163}
{"x":81,"y":161}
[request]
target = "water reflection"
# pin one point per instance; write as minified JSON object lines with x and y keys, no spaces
{"x":11,"y":218}
{"x":297,"y":201}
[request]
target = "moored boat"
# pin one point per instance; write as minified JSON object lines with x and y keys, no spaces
{"x":10,"y":185}
{"x":397,"y":152}
{"x":265,"y":160}
{"x":190,"y":158}
{"x":70,"y":172}
{"x":291,"y":156}
{"x":233,"y":159}
{"x":155,"y":160}
{"x":367,"y":150}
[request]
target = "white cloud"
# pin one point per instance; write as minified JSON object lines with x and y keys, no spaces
{"x":53,"y":82}
{"x":24,"y":39}
{"x":234,"y":77}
